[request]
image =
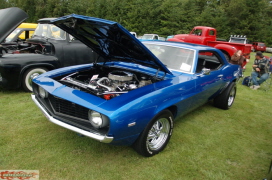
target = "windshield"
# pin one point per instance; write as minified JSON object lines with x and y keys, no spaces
{"x":261,"y":44}
{"x":11,"y":36}
{"x":147,"y":36}
{"x":175,"y":58}
{"x":50,"y":31}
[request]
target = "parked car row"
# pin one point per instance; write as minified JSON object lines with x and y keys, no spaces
{"x":49,"y":48}
{"x":240,"y":39}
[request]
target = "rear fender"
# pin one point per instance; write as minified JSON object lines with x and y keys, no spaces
{"x":48,"y":62}
{"x":230,"y":50}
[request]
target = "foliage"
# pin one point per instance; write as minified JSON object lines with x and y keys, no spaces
{"x":165,"y":17}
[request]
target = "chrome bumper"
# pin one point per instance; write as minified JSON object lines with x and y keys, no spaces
{"x":101,"y":138}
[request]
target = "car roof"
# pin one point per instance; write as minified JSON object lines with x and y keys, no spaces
{"x":28,"y":25}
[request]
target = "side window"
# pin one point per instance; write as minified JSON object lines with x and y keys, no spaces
{"x":211,"y":32}
{"x":26,"y":35}
{"x":208,"y":59}
{"x":30,"y":34}
{"x":22,"y":36}
{"x":197,"y":32}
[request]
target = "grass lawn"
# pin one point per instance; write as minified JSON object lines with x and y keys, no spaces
{"x":208,"y":143}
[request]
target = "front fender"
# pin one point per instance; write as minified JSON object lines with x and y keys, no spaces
{"x":14,"y":65}
{"x":143,"y":109}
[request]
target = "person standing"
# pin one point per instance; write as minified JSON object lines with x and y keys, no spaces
{"x":238,"y":58}
{"x":261,"y":70}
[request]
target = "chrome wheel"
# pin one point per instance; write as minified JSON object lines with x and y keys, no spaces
{"x":231,"y":97}
{"x":158,"y":134}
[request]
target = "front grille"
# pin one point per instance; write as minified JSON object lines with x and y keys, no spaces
{"x":67,"y":108}
{"x":68,"y":112}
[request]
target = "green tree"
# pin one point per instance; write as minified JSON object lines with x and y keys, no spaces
{"x":164,"y":17}
{"x":3,"y":4}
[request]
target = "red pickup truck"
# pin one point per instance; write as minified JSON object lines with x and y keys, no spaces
{"x":207,"y":36}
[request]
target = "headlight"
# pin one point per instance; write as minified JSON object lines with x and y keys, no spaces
{"x":97,"y":120}
{"x":43,"y":94}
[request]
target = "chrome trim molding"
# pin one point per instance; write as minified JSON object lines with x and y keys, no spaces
{"x":101,"y":138}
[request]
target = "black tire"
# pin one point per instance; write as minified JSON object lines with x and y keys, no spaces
{"x":156,"y":135}
{"x":27,"y":82}
{"x":226,"y":98}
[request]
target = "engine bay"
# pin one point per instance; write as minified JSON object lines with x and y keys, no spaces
{"x":107,"y":82}
{"x":36,"y":48}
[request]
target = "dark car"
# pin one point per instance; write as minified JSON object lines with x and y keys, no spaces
{"x":134,"y":95}
{"x":48,"y":49}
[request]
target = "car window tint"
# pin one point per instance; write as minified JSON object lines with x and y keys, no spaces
{"x":14,"y":33}
{"x":22,"y":36}
{"x":208,"y":59}
{"x":197,"y":32}
{"x":50,"y":31}
{"x":211,"y":32}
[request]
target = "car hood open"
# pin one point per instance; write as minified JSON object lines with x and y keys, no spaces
{"x":109,"y":39}
{"x":10,"y":19}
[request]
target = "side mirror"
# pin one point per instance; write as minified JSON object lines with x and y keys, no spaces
{"x":205,"y":71}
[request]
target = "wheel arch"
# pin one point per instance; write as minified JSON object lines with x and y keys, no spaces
{"x":173,"y":109}
{"x":36,"y":65}
{"x":221,"y":99}
{"x":226,"y":49}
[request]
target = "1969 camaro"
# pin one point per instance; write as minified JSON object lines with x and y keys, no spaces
{"x":133,"y":92}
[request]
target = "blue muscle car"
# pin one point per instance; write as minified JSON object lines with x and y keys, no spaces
{"x":133,"y":92}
